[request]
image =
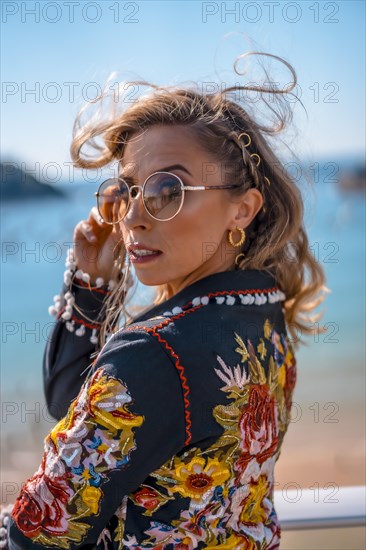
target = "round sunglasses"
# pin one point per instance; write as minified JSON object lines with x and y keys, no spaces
{"x":162,"y":196}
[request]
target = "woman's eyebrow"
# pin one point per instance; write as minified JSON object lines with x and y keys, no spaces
{"x":165,"y":169}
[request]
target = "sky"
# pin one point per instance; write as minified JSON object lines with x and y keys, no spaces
{"x":46,"y":46}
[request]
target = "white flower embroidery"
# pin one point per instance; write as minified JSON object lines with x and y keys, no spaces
{"x":234,"y":377}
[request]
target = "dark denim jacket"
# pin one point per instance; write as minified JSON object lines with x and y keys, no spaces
{"x":172,"y":439}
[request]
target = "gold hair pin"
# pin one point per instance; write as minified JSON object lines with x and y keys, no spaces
{"x":253,"y":155}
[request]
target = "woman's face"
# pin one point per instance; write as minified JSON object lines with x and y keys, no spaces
{"x":194,"y":243}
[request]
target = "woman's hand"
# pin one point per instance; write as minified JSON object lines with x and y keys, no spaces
{"x":96,"y":247}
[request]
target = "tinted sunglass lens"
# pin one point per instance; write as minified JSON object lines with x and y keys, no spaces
{"x":113,"y":200}
{"x":163,"y":195}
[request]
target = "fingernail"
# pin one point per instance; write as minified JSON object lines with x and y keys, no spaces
{"x":93,"y":238}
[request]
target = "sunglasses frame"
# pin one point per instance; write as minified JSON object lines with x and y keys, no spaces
{"x":142,"y":189}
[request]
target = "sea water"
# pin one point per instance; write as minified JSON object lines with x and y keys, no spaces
{"x":36,"y":234}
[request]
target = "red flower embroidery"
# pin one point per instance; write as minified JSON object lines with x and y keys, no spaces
{"x":41,"y":505}
{"x":148,"y":498}
{"x":259,"y":427}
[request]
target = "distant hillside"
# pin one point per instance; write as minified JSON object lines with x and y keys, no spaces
{"x":353,"y":179}
{"x":17,"y":184}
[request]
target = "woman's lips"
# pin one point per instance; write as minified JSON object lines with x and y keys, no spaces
{"x":144,"y":259}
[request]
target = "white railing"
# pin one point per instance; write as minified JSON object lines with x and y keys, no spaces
{"x":321,"y":508}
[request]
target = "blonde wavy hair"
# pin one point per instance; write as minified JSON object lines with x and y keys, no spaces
{"x":276,"y":240}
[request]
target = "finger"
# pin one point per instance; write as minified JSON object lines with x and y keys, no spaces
{"x":106,"y":211}
{"x":79,"y":230}
{"x":95,"y":216}
{"x":87,"y":230}
{"x":106,"y":206}
{"x":116,"y":212}
{"x":99,"y":227}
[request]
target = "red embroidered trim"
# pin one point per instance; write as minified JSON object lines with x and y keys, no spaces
{"x":93,"y":288}
{"x":251,"y":291}
{"x":77,"y":320}
{"x":153,"y":331}
{"x":185,"y":386}
{"x":194,"y":308}
{"x":168,"y":320}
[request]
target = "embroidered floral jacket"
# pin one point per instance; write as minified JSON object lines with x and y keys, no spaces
{"x":172,"y":439}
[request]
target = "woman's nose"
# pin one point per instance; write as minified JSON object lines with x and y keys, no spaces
{"x":136,"y":213}
{"x":135,"y":190}
{"x":136,"y":201}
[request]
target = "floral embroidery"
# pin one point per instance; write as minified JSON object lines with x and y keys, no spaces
{"x":149,"y":498}
{"x":197,"y":477}
{"x":230,"y":484}
{"x":258,"y":427}
{"x":94,"y":437}
{"x":226,"y":489}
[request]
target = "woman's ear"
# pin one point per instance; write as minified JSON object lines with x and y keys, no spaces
{"x":247,"y":208}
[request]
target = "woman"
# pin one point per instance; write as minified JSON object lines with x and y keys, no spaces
{"x":178,"y":422}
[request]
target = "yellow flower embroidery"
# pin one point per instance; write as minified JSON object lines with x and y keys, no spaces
{"x":195,"y":478}
{"x":106,"y":408}
{"x":267,"y":328}
{"x":253,"y":511}
{"x":63,"y":426}
{"x":242,"y":350}
{"x":289,"y":355}
{"x":106,"y":402}
{"x":234,"y":542}
{"x":91,"y":497}
{"x":86,"y":474}
{"x":277,"y":342}
{"x":261,"y":349}
{"x":98,"y":413}
{"x":282,"y":375}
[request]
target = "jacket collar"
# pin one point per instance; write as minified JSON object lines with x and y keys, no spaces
{"x":238,"y":286}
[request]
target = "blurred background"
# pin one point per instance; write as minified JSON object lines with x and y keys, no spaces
{"x":56,"y":57}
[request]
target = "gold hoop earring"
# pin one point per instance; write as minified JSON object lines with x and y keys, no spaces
{"x":242,"y":237}
{"x":239,"y":243}
{"x":238,"y":258}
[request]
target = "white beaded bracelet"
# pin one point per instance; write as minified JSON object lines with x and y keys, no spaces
{"x":5,"y":513}
{"x":59,"y":301}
